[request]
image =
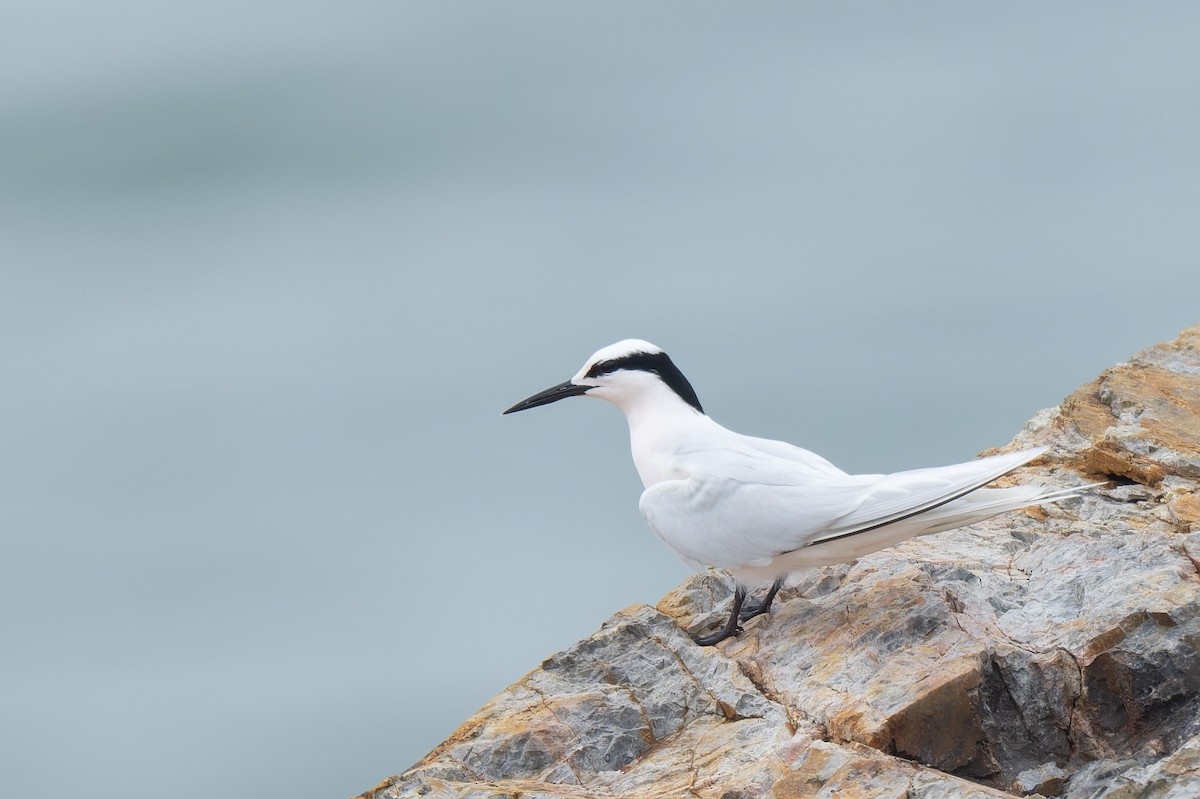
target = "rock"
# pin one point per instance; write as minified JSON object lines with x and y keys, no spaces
{"x":1137,"y":421}
{"x":1174,"y":777}
{"x":1006,"y":656}
{"x":1045,"y":780}
{"x":827,"y":769}
{"x":602,"y":714}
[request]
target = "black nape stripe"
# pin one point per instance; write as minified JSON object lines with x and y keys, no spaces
{"x":655,"y":362}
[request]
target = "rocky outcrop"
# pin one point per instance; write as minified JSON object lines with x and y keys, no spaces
{"x":1051,"y":651}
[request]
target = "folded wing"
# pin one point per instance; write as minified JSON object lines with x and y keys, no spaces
{"x":747,"y":511}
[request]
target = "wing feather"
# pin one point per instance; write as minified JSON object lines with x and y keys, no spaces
{"x":904,"y":494}
{"x":743,"y":510}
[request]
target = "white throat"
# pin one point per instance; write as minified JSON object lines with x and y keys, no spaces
{"x":661,"y":427}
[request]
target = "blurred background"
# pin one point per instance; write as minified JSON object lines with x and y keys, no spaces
{"x":270,"y":272}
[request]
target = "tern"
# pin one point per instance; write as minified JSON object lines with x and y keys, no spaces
{"x":761,"y":509}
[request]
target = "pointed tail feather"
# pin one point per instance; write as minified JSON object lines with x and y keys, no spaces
{"x":977,"y":506}
{"x":933,"y":489}
{"x":985,"y":503}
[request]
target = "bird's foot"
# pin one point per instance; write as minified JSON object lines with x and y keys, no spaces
{"x":717,"y":637}
{"x":759,"y":608}
{"x":731,"y":627}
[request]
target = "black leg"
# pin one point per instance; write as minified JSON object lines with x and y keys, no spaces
{"x":731,"y":627}
{"x":750,"y":611}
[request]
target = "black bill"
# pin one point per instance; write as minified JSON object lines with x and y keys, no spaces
{"x":552,"y":394}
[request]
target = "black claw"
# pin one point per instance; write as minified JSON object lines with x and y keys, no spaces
{"x":731,"y":627}
{"x":717,"y":637}
{"x":759,"y":608}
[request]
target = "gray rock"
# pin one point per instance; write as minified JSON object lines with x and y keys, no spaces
{"x":1045,"y":780}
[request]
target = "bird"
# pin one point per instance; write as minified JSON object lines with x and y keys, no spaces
{"x":761,"y":509}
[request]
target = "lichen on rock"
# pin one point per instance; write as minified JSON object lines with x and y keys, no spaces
{"x":1052,"y":649}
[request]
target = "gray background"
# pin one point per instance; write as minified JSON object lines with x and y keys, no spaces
{"x":272,"y":270}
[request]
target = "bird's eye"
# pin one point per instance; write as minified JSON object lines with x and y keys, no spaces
{"x":600,"y":369}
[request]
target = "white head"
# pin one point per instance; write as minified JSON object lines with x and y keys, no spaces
{"x":626,"y":373}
